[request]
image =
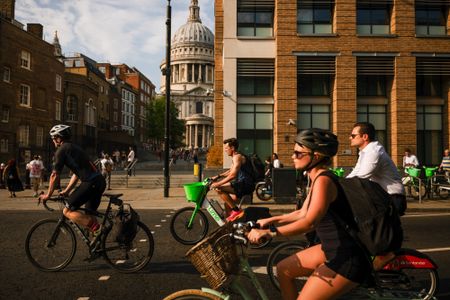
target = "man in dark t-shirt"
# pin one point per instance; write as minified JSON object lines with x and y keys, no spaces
{"x":92,"y":185}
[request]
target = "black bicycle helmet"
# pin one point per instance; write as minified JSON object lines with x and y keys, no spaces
{"x":318,"y":140}
{"x":60,"y":130}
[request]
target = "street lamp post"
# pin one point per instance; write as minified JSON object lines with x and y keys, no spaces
{"x":167,"y":125}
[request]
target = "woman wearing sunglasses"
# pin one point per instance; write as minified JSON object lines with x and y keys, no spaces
{"x":337,"y":264}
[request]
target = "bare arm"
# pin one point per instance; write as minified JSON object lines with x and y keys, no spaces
{"x":231,"y":173}
{"x":73,"y":181}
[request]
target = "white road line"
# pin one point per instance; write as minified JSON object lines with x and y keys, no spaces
{"x":152,"y":232}
{"x":260,"y":270}
{"x":426,"y":215}
{"x":104,"y":278}
{"x":163,"y":220}
{"x":157,"y":225}
{"x":83,"y":298}
{"x":434,"y":249}
{"x":168,"y":216}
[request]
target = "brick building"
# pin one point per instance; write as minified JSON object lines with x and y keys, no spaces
{"x":282,"y":66}
{"x":31,"y":84}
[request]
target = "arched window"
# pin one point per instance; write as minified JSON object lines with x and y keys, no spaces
{"x":90,"y":110}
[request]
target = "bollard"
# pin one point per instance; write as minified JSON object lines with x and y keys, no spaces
{"x":196,"y":169}
{"x":199,"y":172}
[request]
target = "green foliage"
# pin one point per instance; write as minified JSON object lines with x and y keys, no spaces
{"x":156,"y":112}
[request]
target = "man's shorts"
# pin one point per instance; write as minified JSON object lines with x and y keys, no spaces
{"x":242,"y":187}
{"x":88,"y":193}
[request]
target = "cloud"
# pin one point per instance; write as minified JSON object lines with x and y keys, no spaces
{"x":131,"y":32}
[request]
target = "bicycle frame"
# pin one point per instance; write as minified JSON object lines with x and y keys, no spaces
{"x":206,"y":204}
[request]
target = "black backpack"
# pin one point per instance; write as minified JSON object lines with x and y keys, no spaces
{"x":378,"y":227}
{"x":257,"y":166}
{"x":125,"y":224}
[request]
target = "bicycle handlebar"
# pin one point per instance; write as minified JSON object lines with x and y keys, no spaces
{"x":58,"y":198}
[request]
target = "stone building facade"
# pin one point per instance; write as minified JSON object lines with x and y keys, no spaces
{"x":31,"y":84}
{"x":192,"y":78}
{"x":282,"y":66}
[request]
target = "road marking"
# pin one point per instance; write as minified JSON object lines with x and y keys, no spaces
{"x":168,"y":216}
{"x":83,"y":298}
{"x":152,"y":232}
{"x":157,"y":225}
{"x":426,"y":215}
{"x":104,"y":278}
{"x":434,"y":249}
{"x":163,"y":220}
{"x":260,"y":270}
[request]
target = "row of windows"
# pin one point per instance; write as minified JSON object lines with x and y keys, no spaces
{"x":255,"y":126}
{"x":317,"y":18}
{"x":7,"y":78}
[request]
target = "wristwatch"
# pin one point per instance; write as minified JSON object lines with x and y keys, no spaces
{"x":273,"y":230}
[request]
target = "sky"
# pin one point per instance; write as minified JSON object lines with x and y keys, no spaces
{"x":131,"y":32}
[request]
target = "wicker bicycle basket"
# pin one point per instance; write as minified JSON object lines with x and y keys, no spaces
{"x":215,"y":257}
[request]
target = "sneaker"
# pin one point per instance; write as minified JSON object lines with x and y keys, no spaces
{"x":97,"y":231}
{"x":235,"y":214}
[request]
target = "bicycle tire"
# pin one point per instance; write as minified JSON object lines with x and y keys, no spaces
{"x":192,"y":295}
{"x":259,"y":189}
{"x":180,"y":231}
{"x":418,"y":190}
{"x":50,"y":258}
{"x":279,"y":253}
{"x":129,"y":258}
{"x":442,"y":193}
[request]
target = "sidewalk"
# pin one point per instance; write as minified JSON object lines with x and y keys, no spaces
{"x":153,"y":198}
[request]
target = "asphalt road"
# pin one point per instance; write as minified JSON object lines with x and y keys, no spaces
{"x":168,"y":270}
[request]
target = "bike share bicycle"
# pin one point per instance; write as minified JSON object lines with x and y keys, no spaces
{"x":51,"y":243}
{"x":189,"y":225}
{"x":432,"y":184}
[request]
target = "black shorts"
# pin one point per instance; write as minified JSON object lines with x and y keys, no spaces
{"x":88,"y":193}
{"x":242,"y":187}
{"x":351,"y":263}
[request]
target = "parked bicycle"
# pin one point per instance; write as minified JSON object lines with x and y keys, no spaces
{"x":51,"y":243}
{"x":222,"y":260}
{"x":263,"y":189}
{"x":189,"y":225}
{"x":410,"y":275}
{"x":414,"y":185}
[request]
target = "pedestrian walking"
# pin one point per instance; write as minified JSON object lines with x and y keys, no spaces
{"x":107,"y":166}
{"x":11,"y":174}
{"x":130,"y":160}
{"x":35,"y":167}
{"x":2,"y":180}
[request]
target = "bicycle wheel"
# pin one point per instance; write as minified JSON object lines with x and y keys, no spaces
{"x":442,"y":193}
{"x":128,"y":258}
{"x":417,"y":190}
{"x":180,"y":230}
{"x":50,"y":245}
{"x":279,"y":253}
{"x":261,"y":192}
{"x":191,"y":294}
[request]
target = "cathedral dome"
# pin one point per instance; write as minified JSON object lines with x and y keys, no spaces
{"x":193,"y":32}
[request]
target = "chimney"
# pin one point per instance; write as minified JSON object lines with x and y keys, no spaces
{"x":7,"y":9}
{"x":36,"y":29}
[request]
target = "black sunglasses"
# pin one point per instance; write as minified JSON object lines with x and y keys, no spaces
{"x":300,"y":154}
{"x":354,"y":135}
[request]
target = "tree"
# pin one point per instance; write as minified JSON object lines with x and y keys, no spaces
{"x":156,"y":112}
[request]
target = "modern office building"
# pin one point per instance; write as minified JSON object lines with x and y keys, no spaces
{"x":192,"y":78}
{"x":282,"y":66}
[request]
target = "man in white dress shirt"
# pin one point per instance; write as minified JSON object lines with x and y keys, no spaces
{"x":374,"y":163}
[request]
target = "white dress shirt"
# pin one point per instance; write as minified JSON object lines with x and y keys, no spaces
{"x":411,"y":160}
{"x":374,"y":163}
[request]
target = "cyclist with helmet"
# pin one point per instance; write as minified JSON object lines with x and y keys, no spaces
{"x":92,"y":185}
{"x":337,"y":264}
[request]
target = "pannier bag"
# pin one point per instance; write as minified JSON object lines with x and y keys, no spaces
{"x":125,"y":224}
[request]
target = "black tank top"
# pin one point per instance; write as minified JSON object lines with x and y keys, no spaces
{"x":332,"y":236}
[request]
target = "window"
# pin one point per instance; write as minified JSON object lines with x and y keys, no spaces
{"x":72,"y":108}
{"x":5,"y":114}
{"x":4,"y":145}
{"x":315,"y":17}
{"x":90,"y":113}
{"x":255,"y":128}
{"x":313,"y":116}
{"x":24,"y":135}
{"x":371,"y":85}
{"x":377,"y":115}
{"x":58,"y":110}
{"x":39,"y":136}
{"x":429,"y":134}
{"x":429,"y":85}
{"x":198,"y":107}
{"x":373,"y":18}
{"x":24,"y":96}
{"x":431,"y":20}
{"x":116,"y":103}
{"x":102,"y":69}
{"x":255,"y":77}
{"x":6,"y":74}
{"x":313,"y":85}
{"x":58,"y":83}
{"x":255,"y":18}
{"x":115,"y":116}
{"x":25,"y":59}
